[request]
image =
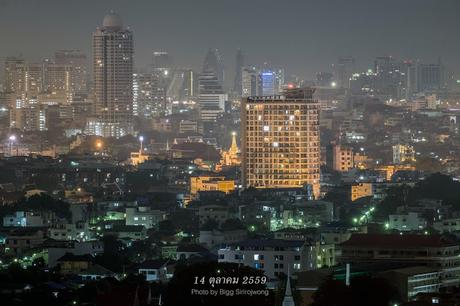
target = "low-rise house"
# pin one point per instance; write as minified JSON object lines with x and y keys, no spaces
{"x":188,"y":251}
{"x":215,"y":237}
{"x":74,"y":264}
{"x":133,"y":232}
{"x":406,"y":222}
{"x":144,"y":216}
{"x":96,"y":272}
{"x":59,"y":248}
{"x":23,"y":219}
{"x":70,"y":231}
{"x":20,"y":240}
{"x":154,"y":270}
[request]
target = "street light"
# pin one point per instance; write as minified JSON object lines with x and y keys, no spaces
{"x":12,"y":139}
{"x":141,"y":139}
{"x":99,"y":146}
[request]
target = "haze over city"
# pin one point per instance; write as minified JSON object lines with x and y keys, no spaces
{"x":304,"y":36}
{"x":249,"y":153}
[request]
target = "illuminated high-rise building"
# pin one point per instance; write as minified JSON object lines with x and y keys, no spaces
{"x":268,"y":84}
{"x":77,"y":60}
{"x":250,"y":82}
{"x":162,"y":62}
{"x":23,"y":78}
{"x":113,"y":78}
{"x":280,"y":140}
{"x":149,"y":93}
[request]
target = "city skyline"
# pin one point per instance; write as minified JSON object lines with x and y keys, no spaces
{"x":187,"y":30}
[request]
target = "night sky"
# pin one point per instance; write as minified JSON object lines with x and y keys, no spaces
{"x":302,"y":35}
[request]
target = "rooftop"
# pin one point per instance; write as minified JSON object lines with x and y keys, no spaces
{"x":397,"y":241}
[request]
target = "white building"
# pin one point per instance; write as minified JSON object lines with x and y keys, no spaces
{"x":406,"y":222}
{"x":154,"y":270}
{"x":144,"y":216}
{"x":71,"y":231}
{"x":272,"y":256}
{"x":214,"y":238}
{"x":23,"y":219}
{"x":447,"y":225}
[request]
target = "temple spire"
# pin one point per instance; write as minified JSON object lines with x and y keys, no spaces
{"x":288,"y":299}
{"x":234,"y":147}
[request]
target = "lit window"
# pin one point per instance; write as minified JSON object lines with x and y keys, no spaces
{"x":266,"y":128}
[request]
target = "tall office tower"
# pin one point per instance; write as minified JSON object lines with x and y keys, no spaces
{"x":324,"y":79}
{"x":212,"y":98}
{"x":430,"y":77}
{"x":190,"y":85}
{"x":77,"y":60}
{"x":237,"y":85}
{"x":279,"y":80}
{"x":250,"y":82}
{"x":268,"y":83}
{"x":149,"y":95}
{"x":411,"y":80}
{"x":344,"y":69}
{"x":15,"y":71}
{"x":280,"y":140}
{"x":23,"y":78}
{"x":213,"y":63}
{"x":162,"y":61}
{"x":57,"y":83}
{"x":113,"y":78}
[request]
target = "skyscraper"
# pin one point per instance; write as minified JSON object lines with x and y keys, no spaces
{"x":78,"y":61}
{"x":212,"y":98}
{"x":237,"y":85}
{"x":250,"y":82}
{"x":213,"y":63}
{"x":268,"y":82}
{"x":280,"y":140}
{"x":162,"y":62}
{"x":344,"y":69}
{"x":113,"y":78}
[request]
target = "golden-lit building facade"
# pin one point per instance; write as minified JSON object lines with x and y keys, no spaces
{"x":342,"y":158}
{"x":210,"y":183}
{"x":361,"y":190}
{"x":280,"y":140}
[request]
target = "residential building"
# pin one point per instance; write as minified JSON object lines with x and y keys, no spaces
{"x":217,"y":213}
{"x":274,"y":257}
{"x":113,"y":52}
{"x":410,"y":249}
{"x":23,"y":219}
{"x":411,"y":221}
{"x":144,"y":216}
{"x":360,"y":190}
{"x":280,"y":141}
{"x":403,"y":154}
{"x":210,"y":183}
{"x":342,"y":158}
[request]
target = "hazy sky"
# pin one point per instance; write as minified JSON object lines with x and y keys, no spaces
{"x":304,"y":36}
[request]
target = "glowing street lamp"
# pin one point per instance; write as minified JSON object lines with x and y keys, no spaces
{"x":99,"y":146}
{"x":12,"y":140}
{"x":141,"y":139}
